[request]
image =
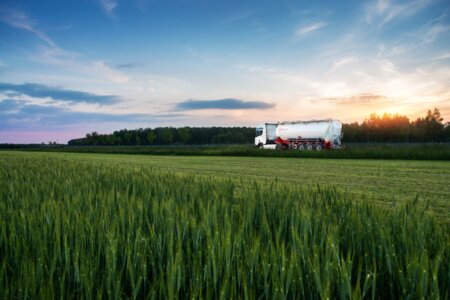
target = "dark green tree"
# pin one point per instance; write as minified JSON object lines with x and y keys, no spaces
{"x":184,"y":134}
{"x":151,"y":137}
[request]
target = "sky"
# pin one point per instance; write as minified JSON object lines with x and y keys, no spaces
{"x":76,"y":66}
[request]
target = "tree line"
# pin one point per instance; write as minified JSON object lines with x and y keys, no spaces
{"x":399,"y":129}
{"x":170,"y":136}
{"x":386,"y":128}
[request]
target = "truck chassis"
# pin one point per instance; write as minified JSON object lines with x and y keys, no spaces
{"x":303,"y":144}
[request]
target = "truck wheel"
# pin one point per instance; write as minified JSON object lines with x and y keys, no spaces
{"x":318,"y":147}
{"x":309,"y":147}
{"x":260,"y":146}
{"x":301,"y":147}
{"x":278,"y":146}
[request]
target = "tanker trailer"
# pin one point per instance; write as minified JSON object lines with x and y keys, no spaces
{"x":309,"y":135}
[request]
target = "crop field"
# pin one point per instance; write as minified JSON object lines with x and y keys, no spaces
{"x":405,"y":151}
{"x":131,"y":226}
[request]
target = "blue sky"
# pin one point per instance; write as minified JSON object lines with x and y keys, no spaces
{"x":71,"y":67}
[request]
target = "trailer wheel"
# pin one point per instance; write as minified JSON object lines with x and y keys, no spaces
{"x":318,"y":147}
{"x":278,"y":146}
{"x":301,"y":147}
{"x":309,"y":147}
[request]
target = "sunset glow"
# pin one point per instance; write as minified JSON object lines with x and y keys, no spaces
{"x":72,"y":67}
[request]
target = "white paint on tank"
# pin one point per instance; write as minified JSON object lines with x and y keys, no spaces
{"x":324,"y":129}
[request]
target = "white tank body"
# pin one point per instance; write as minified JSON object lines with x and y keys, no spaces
{"x":316,"y":129}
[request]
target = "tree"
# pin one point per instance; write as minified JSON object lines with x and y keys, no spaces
{"x":430,"y":128}
{"x":446,"y":132}
{"x":184,"y":134}
{"x":166,"y":135}
{"x":151,"y":137}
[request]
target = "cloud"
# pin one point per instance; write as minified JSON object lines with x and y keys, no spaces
{"x":365,"y":98}
{"x":228,"y":103}
{"x":384,"y":11}
{"x":113,"y":75}
{"x":129,"y":66}
{"x":443,"y":56}
{"x":199,"y":55}
{"x":433,"y":32}
{"x":21,"y":21}
{"x":51,"y":53}
{"x":109,"y":6}
{"x":9,"y":105}
{"x":74,"y":62}
{"x":56,"y":93}
{"x":342,"y":62}
{"x":17,"y":114}
{"x":310,"y":28}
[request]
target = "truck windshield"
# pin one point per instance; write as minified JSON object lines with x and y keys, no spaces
{"x":259,"y":131}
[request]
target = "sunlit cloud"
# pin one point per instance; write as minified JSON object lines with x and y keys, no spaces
{"x":342,"y":62}
{"x":366,"y":98}
{"x":297,"y":62}
{"x":228,"y":104}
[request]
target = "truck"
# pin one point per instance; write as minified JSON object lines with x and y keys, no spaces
{"x":300,"y":135}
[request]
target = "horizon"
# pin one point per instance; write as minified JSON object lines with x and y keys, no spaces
{"x":73,"y":67}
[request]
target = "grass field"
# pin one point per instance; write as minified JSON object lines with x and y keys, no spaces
{"x":118,"y":226}
{"x":405,"y":151}
{"x":382,"y":181}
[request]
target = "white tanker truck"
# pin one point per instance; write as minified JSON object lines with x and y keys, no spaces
{"x":301,"y":135}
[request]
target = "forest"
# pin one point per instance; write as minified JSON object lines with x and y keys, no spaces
{"x":387,"y":128}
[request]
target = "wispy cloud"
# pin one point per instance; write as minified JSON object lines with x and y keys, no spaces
{"x":112,"y":74}
{"x":109,"y":6}
{"x":384,"y":11}
{"x":432,"y":32}
{"x":365,"y":98}
{"x":17,"y":114}
{"x":129,"y":66}
{"x":275,"y":73}
{"x":56,"y":93}
{"x":75,"y":62}
{"x":342,"y":62}
{"x":228,"y":103}
{"x":442,"y":56}
{"x":310,"y":28}
{"x":21,"y":21}
{"x":51,"y":53}
{"x":206,"y":58}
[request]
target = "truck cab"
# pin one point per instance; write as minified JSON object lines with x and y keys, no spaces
{"x":265,"y":135}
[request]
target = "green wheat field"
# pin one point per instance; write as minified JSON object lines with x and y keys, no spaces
{"x":163,"y":227}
